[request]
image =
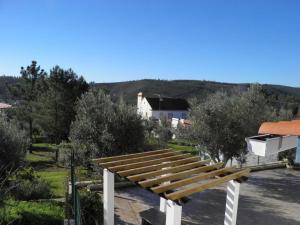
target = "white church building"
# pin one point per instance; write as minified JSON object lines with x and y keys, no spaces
{"x":159,"y":108}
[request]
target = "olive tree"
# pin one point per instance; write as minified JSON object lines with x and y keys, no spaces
{"x":221,"y":122}
{"x":105,"y":128}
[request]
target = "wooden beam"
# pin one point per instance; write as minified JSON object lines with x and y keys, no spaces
{"x":180,"y":168}
{"x":201,"y":187}
{"x":129,"y":156}
{"x":167,"y":187}
{"x":148,"y":163}
{"x":133,"y":171}
{"x":139,"y":159}
{"x":176,"y":176}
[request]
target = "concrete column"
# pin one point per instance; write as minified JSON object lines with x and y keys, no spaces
{"x":173,"y":212}
{"x":108,"y":197}
{"x":297,"y":161}
{"x":232,"y":200}
{"x":163,"y":205}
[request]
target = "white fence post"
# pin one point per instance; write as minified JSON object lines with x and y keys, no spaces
{"x":232,"y":201}
{"x":174,"y":211}
{"x":108,"y":197}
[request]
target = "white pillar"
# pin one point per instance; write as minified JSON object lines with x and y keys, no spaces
{"x":162,"y":205}
{"x":297,"y":161}
{"x":108,"y":197}
{"x":174,"y":211}
{"x":232,"y":201}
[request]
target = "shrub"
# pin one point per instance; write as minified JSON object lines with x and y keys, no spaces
{"x":29,"y":186}
{"x":13,"y":143}
{"x":91,"y":208}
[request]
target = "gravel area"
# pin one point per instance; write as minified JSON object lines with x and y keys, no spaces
{"x":268,"y":197}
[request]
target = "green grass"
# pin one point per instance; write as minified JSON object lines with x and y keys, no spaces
{"x":184,"y":148}
{"x":42,"y":160}
{"x":36,"y":156}
{"x":44,"y":145}
{"x":33,"y":213}
{"x":57,"y":181}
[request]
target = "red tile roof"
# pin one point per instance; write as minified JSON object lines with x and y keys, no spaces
{"x":281,"y":128}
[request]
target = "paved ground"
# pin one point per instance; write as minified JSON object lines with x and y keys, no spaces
{"x":268,"y":197}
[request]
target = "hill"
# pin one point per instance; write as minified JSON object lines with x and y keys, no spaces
{"x":174,"y":88}
{"x":191,"y":88}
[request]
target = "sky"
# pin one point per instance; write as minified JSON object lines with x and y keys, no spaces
{"x":118,"y":40}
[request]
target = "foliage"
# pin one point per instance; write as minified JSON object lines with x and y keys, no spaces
{"x":163,"y":132}
{"x":91,"y":208}
{"x":33,"y":213}
{"x":27,"y":92}
{"x":56,"y":103}
{"x":13,"y":143}
{"x":221,"y":123}
{"x":104,"y":128}
{"x":29,"y":186}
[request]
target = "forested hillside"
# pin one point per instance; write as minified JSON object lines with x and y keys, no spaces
{"x":192,"y":88}
{"x":176,"y":88}
{"x":5,"y":81}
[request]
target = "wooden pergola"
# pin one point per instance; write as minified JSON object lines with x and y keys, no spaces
{"x":173,"y":176}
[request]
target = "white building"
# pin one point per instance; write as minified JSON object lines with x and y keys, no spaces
{"x":4,"y":106}
{"x":160,"y":108}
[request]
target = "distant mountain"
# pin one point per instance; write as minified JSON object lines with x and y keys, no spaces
{"x":190,"y":88}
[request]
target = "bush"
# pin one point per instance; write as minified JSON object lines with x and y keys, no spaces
{"x":29,"y":186}
{"x":13,"y":143}
{"x":91,"y":208}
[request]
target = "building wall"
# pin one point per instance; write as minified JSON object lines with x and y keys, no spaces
{"x":169,"y":114}
{"x":144,"y":109}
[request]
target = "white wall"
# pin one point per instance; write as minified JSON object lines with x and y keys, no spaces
{"x":173,"y":114}
{"x":144,"y":108}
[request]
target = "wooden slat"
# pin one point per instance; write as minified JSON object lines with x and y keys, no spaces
{"x":138,"y":159}
{"x":129,"y":156}
{"x":129,"y":172}
{"x":180,"y":183}
{"x":181,"y":175}
{"x":180,"y":168}
{"x":201,"y":187}
{"x":148,"y":163}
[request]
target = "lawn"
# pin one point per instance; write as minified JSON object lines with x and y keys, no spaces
{"x":184,"y":148}
{"x":42,"y":160}
{"x":33,"y":213}
{"x":57,"y":180}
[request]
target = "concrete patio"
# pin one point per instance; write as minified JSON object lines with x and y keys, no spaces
{"x":268,"y":197}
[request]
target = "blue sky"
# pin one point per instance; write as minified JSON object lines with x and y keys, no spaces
{"x":117,"y":40}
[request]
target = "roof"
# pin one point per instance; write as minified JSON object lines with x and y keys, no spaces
{"x":281,"y":128}
{"x":168,"y":104}
{"x":171,"y":174}
{"x":4,"y":106}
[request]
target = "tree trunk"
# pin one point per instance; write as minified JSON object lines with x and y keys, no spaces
{"x":30,"y":135}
